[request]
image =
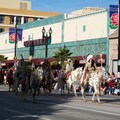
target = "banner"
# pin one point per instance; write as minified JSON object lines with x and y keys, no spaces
{"x":12,"y":35}
{"x":113,"y":16}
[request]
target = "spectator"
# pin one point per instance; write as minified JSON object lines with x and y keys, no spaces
{"x":1,"y":76}
{"x":111,"y":84}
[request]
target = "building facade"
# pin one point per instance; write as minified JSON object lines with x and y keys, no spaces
{"x":16,"y":4}
{"x":19,"y":12}
{"x":113,"y":50}
{"x":81,"y":34}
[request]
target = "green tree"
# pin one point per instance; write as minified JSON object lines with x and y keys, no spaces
{"x":2,"y":57}
{"x":62,"y":54}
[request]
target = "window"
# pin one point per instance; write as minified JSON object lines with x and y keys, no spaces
{"x":2,"y":17}
{"x":2,"y":30}
{"x":23,"y":6}
{"x":18,"y":20}
{"x":11,"y":19}
{"x":84,"y":28}
{"x":25,"y":19}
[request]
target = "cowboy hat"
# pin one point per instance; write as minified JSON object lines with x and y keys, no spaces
{"x":89,"y":57}
{"x":69,"y":60}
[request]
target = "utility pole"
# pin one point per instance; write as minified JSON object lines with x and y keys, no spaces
{"x":15,"y":38}
{"x":119,"y":40}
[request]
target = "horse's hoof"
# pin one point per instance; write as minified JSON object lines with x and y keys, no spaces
{"x":93,"y":101}
{"x":99,"y":102}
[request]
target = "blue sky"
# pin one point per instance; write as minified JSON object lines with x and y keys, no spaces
{"x":67,"y":6}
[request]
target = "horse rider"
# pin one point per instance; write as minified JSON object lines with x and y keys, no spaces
{"x":69,"y":67}
{"x":87,"y":67}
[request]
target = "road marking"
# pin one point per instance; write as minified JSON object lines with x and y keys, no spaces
{"x":86,"y":109}
{"x":25,"y":114}
{"x":14,"y":111}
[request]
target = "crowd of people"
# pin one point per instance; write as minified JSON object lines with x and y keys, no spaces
{"x":111,"y":85}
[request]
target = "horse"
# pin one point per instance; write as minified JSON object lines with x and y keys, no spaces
{"x":60,"y":82}
{"x":17,"y":80}
{"x":93,"y":78}
{"x":47,"y":78}
{"x":35,"y":79}
{"x":23,"y":82}
{"x":74,"y":79}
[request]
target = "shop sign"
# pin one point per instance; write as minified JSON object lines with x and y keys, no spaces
{"x":37,"y":42}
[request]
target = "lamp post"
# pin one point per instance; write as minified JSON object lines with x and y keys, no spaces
{"x":45,"y":39}
{"x":119,"y":41}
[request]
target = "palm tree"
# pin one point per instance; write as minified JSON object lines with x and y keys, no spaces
{"x":61,"y":55}
{"x":2,"y":57}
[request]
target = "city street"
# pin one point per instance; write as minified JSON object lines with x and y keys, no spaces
{"x":57,"y":107}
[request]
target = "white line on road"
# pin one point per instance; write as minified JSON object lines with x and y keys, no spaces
{"x":25,"y":114}
{"x":14,"y":111}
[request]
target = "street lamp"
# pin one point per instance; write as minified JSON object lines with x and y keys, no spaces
{"x":119,"y":41}
{"x":46,"y":38}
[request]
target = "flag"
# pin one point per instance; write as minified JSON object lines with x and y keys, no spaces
{"x":12,"y":35}
{"x":113,"y":16}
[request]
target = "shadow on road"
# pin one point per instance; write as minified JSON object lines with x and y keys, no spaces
{"x":15,"y":108}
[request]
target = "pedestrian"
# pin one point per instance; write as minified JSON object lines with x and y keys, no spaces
{"x":10,"y":79}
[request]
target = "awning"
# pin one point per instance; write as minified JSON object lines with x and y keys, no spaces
{"x":38,"y":61}
{"x":7,"y":63}
{"x":100,"y":59}
{"x":97,"y":58}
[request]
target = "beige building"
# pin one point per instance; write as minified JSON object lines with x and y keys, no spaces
{"x":19,"y":11}
{"x":16,"y":4}
{"x":86,"y":10}
{"x":113,"y":51}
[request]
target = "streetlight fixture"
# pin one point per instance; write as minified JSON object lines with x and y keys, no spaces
{"x":46,"y":38}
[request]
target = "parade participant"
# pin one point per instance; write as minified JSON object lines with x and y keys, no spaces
{"x":10,"y":78}
{"x":69,"y":67}
{"x":87,"y":67}
{"x":30,"y":63}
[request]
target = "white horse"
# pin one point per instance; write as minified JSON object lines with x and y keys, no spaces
{"x":74,"y":79}
{"x":60,"y":82}
{"x":94,"y":79}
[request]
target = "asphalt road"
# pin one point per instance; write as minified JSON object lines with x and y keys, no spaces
{"x":57,"y":107}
